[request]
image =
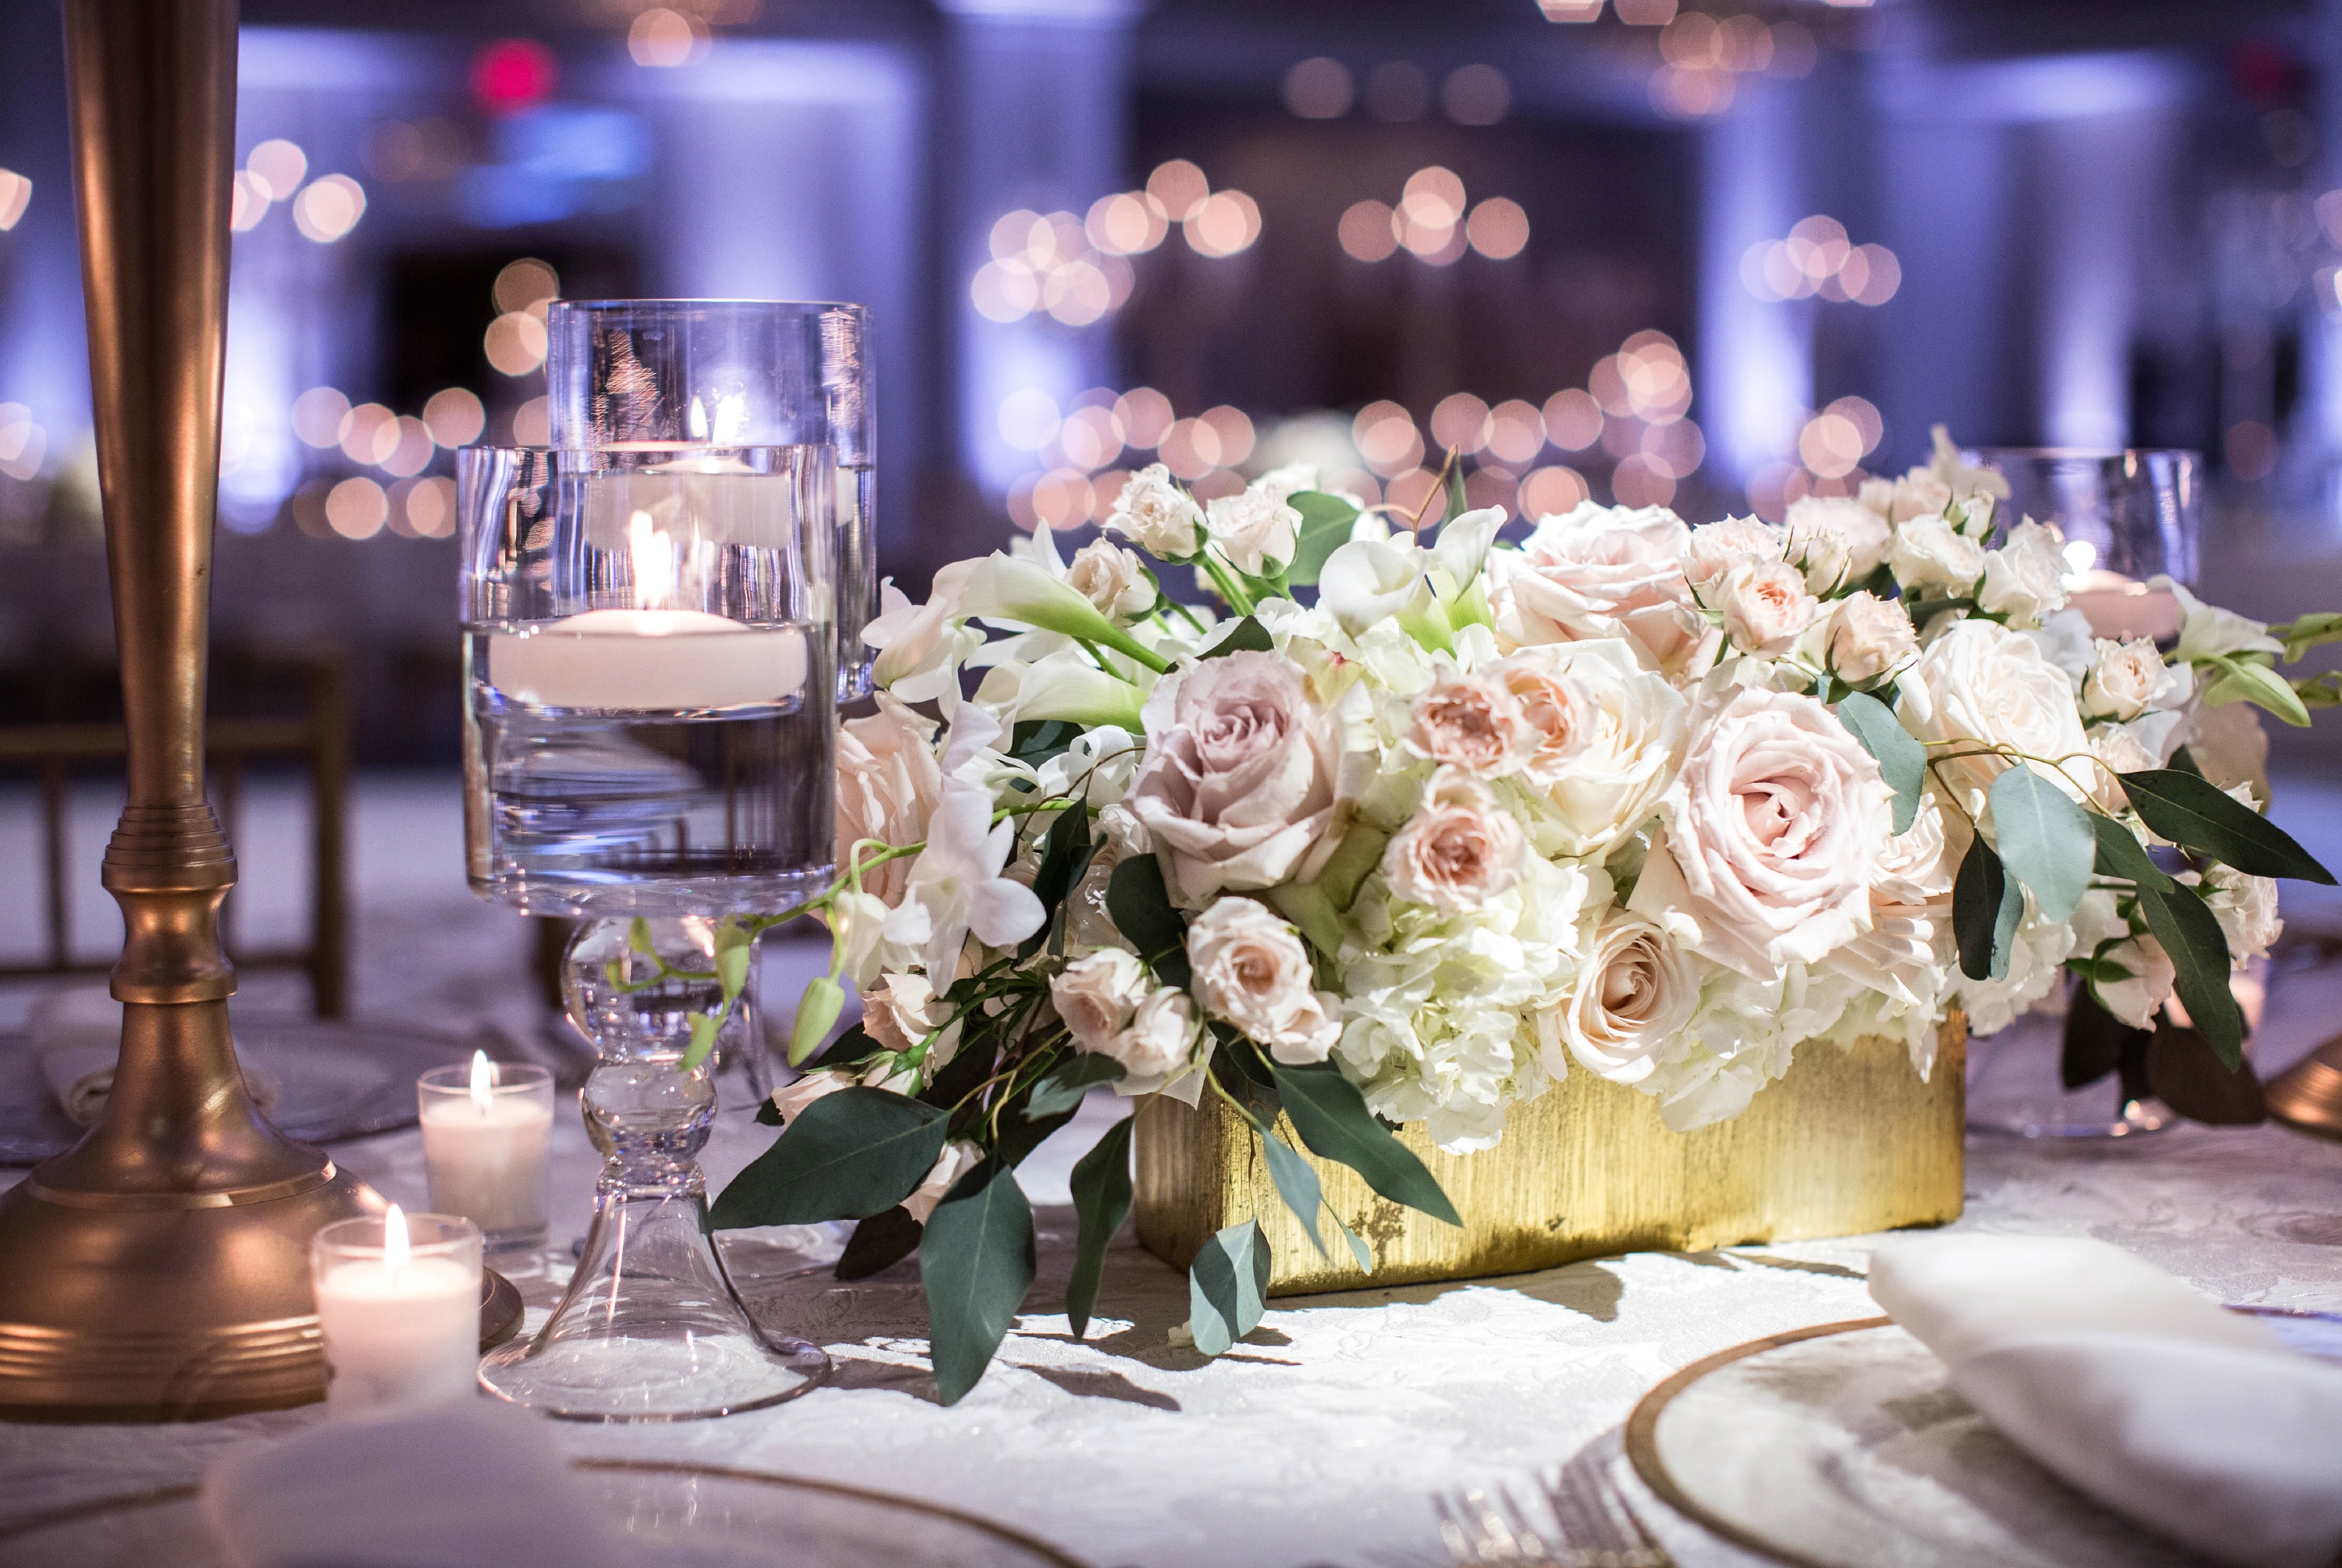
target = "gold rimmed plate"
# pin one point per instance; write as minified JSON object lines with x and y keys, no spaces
{"x":707,"y":1516}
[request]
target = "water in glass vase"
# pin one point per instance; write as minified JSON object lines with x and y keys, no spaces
{"x":611,"y":773}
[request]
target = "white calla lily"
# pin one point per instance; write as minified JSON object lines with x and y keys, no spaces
{"x":1365,"y":583}
{"x":1004,"y":588}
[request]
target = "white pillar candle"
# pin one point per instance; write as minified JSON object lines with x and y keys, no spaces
{"x":401,"y":1325}
{"x":485,"y":1146}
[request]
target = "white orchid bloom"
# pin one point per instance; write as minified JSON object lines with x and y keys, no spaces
{"x":973,"y":735}
{"x":921,"y":647}
{"x":1363,"y":583}
{"x":2206,"y":632}
{"x":956,"y":888}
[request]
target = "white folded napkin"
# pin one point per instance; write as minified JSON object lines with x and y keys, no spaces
{"x":76,"y":1034}
{"x":448,"y":1486}
{"x":2133,"y":1387}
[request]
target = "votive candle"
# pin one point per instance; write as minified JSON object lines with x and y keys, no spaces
{"x":486,"y":1132}
{"x":398,"y":1306}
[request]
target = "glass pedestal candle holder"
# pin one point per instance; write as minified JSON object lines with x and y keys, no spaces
{"x":696,"y":378}
{"x":648,"y":748}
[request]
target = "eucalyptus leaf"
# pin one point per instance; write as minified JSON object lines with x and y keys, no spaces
{"x":975,"y":1261}
{"x":1065,"y":852}
{"x":1296,"y":1183}
{"x":2188,"y":1075}
{"x":2196,"y":814}
{"x":1141,"y":908}
{"x":1227,"y":1287}
{"x":845,"y":1156}
{"x":1358,"y":1252}
{"x":2121,"y":855}
{"x":1332,"y":1118}
{"x":1986,"y":904}
{"x":878,"y":1242}
{"x":1246,"y":637}
{"x":1902,"y":760}
{"x":1034,"y":740}
{"x":2045,"y":839}
{"x":1326,"y":525}
{"x":2191,"y":936}
{"x":1063,"y":1086}
{"x":1101,"y":1187}
{"x":2094,"y":1041}
{"x":1239,"y":1068}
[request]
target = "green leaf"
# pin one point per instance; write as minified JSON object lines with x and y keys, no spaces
{"x":1101,"y":1203}
{"x":1066,"y":854}
{"x":2093,"y":1041}
{"x":1333,"y":1120}
{"x":1326,"y":524}
{"x":1902,"y":761}
{"x":824,"y":999}
{"x":1238,"y":1067}
{"x":1296,"y":1183}
{"x":1246,"y":637}
{"x":2187,"y":1075}
{"x":2190,"y":933}
{"x":879,"y":1242}
{"x":735,"y":945}
{"x":2184,"y":761}
{"x":2120,"y":854}
{"x":1227,"y":1287}
{"x":1141,"y":908}
{"x":2248,"y":680}
{"x":1034,"y":740}
{"x":2301,"y":636}
{"x":846,"y":1156}
{"x":1986,"y":904}
{"x":1358,"y":1250}
{"x":705,"y":1028}
{"x":638,"y":937}
{"x":1063,"y":1086}
{"x":1306,"y":906}
{"x":2198,"y":815}
{"x":975,"y":1263}
{"x":2045,"y":839}
{"x":1457,"y":504}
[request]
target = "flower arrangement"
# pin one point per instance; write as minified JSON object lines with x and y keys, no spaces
{"x":1661,"y":803}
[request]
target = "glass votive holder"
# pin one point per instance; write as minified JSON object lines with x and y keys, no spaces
{"x":398,"y":1304}
{"x":487,"y":1131}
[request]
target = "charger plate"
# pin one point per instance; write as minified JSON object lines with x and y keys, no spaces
{"x":669,"y":1516}
{"x":1840,"y":1446}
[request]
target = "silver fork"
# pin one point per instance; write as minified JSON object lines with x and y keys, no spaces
{"x":1585,"y":1524}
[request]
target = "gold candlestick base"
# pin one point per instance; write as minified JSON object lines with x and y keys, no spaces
{"x":2309,"y":1094}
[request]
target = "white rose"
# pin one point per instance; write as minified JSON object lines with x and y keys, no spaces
{"x":1918,"y":494}
{"x":1716,"y":547}
{"x":1928,"y":555}
{"x":1161,"y":1038}
{"x":2247,"y":912}
{"x":1764,"y":606}
{"x":1096,"y":995}
{"x":1835,"y":541}
{"x":1155,"y":514}
{"x":1112,"y":578}
{"x":790,"y":1099}
{"x":1635,"y":992}
{"x":886,"y":787}
{"x":958,"y":1158}
{"x":1905,"y":952}
{"x":1255,"y":530}
{"x":2065,"y":640}
{"x":1775,"y":827}
{"x":1237,"y":790}
{"x":2126,"y":679}
{"x":1252,"y":970}
{"x":2025,"y":579}
{"x":2139,"y":994}
{"x":1982,"y":683}
{"x":1470,"y":722}
{"x":1608,"y":572}
{"x":1459,"y":849}
{"x":1283,"y":484}
{"x":1610,"y":734}
{"x":1865,"y":636}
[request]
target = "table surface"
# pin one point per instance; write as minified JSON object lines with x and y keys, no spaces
{"x":1324,"y":1436}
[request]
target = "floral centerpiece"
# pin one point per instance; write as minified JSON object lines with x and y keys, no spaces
{"x":1662,"y":803}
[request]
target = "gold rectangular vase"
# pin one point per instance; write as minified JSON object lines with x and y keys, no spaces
{"x":1848,"y":1142}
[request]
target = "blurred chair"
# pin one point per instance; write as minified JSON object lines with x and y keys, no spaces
{"x":278,"y":707}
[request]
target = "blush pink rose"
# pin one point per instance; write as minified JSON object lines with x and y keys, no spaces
{"x":1609,"y":572}
{"x":887,"y":788}
{"x":1471,"y":722}
{"x":1237,"y":788}
{"x":1460,"y":848}
{"x":1775,"y":829}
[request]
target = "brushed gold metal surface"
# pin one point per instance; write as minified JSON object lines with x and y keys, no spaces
{"x":2309,"y":1094}
{"x":160,"y":1269}
{"x":1848,"y":1141}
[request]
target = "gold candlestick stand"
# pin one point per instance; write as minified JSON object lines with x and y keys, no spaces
{"x":159,"y":1270}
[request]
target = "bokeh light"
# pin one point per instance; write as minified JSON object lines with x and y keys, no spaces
{"x":1499,"y":228}
{"x":1180,"y":186}
{"x":23,"y":442}
{"x":453,"y":416}
{"x":1145,"y":415}
{"x":1573,"y":420}
{"x":1090,"y":437}
{"x":1028,"y":418}
{"x":248,"y":202}
{"x":1547,"y":492}
{"x":357,"y":508}
{"x":1818,"y":257}
{"x":1223,"y":223}
{"x":515,"y":343}
{"x":510,"y":74}
{"x":15,"y":195}
{"x":412,"y":447}
{"x":1386,"y":438}
{"x":533,"y":423}
{"x":1232,"y":433}
{"x":664,"y":39}
{"x":1128,"y":223}
{"x":431,"y":508}
{"x":1515,"y":432}
{"x":278,"y":167}
{"x":1460,"y":420}
{"x":320,"y":415}
{"x":1637,"y":482}
{"x":1319,"y":89}
{"x":370,"y":433}
{"x":1475,"y":95}
{"x":328,"y":208}
{"x":525,"y":283}
{"x":1368,"y":232}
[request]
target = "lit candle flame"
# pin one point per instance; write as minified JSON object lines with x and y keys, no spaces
{"x":484,"y":1082}
{"x":652,"y":552}
{"x":395,"y":1248}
